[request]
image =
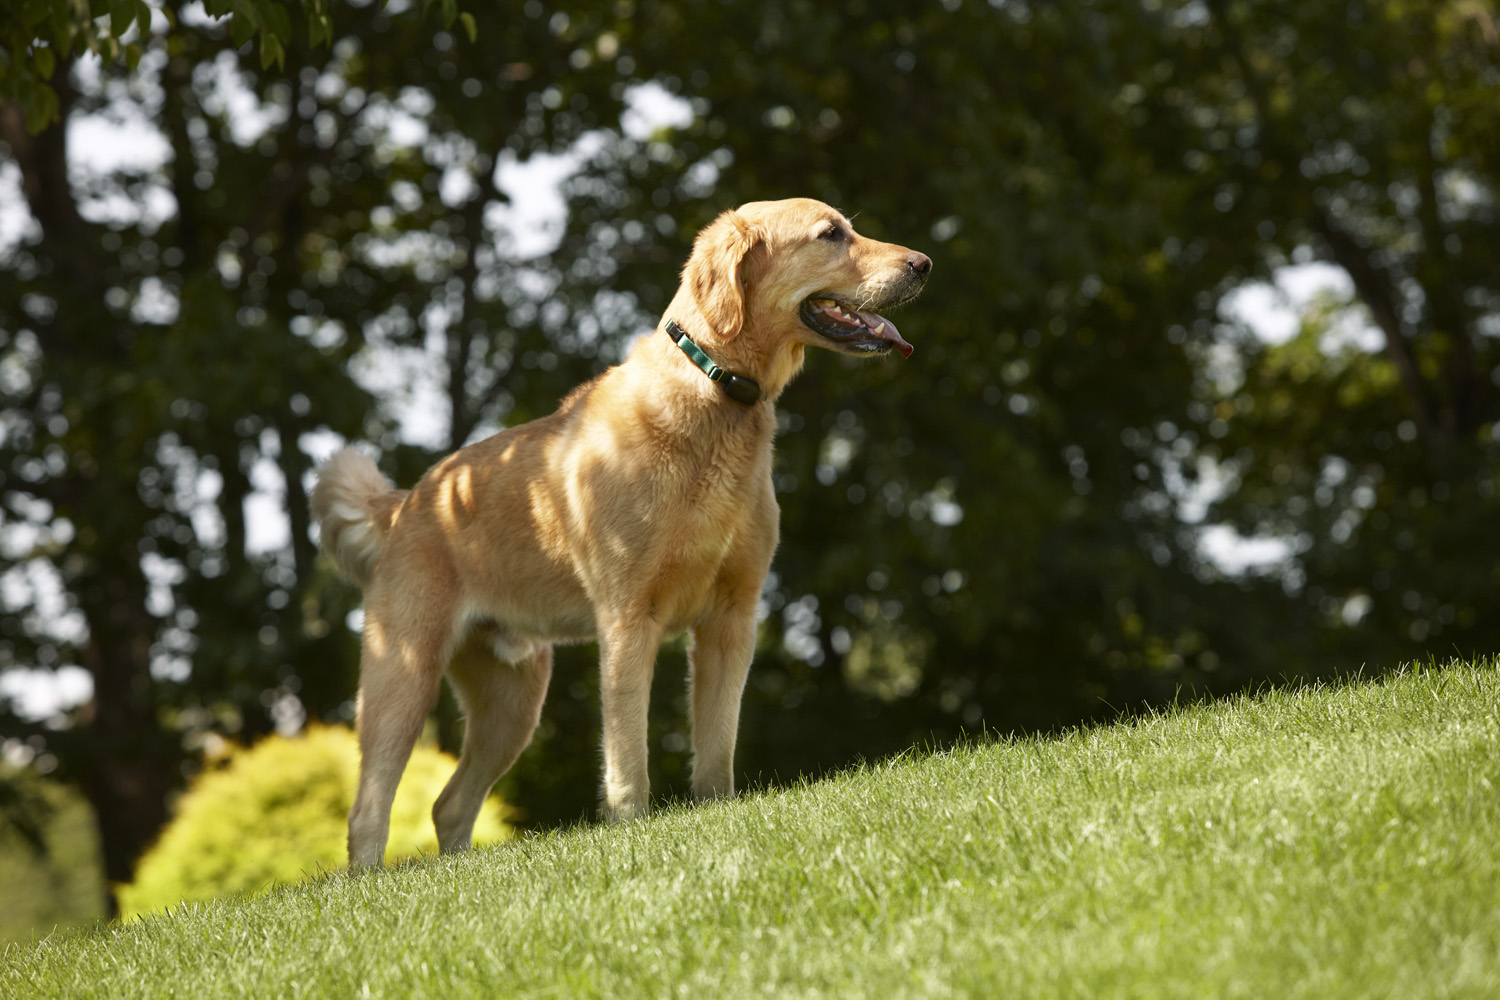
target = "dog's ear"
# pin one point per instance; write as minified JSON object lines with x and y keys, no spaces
{"x":723,"y":263}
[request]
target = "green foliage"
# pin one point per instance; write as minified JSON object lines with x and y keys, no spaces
{"x":1383,"y":460}
{"x":1330,"y":842}
{"x":277,"y":812}
{"x":49,"y":859}
{"x":159,"y":419}
{"x":41,"y":34}
{"x":1090,"y":180}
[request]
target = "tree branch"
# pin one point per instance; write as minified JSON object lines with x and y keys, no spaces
{"x":1375,"y":288}
{"x":1448,"y":314}
{"x":464,"y":412}
{"x":294,"y":465}
{"x":43,"y":159}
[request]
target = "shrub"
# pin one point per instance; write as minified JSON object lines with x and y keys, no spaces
{"x":276,"y":812}
{"x":62,"y":883}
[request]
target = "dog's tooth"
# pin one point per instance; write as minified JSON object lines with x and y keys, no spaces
{"x":879,"y":328}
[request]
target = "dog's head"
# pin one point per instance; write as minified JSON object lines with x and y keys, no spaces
{"x":797,"y":273}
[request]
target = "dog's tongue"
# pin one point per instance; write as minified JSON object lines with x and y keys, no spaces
{"x":885,"y":330}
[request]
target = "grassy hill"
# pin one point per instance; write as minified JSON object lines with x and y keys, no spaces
{"x":1334,"y":842}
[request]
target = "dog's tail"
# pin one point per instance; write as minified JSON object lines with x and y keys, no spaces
{"x":355,"y":507}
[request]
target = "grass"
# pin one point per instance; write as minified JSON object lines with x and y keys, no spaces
{"x":1329,"y":842}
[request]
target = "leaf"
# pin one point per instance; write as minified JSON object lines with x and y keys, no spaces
{"x":41,"y":108}
{"x":470,"y":28}
{"x":271,"y":51}
{"x":450,"y":12}
{"x":242,"y":28}
{"x":63,"y":31}
{"x":121,"y":16}
{"x":318,"y":27}
{"x":276,"y":20}
{"x":45,"y":62}
{"x":132,"y":56}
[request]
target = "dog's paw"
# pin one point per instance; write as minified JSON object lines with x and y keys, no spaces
{"x":619,"y":805}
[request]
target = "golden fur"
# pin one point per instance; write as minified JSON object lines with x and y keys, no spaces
{"x":642,"y":507}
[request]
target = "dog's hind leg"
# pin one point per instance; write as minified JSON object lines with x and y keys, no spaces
{"x":627,"y":658}
{"x":401,"y":665}
{"x":502,"y":703}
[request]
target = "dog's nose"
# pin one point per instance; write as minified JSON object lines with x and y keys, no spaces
{"x":919,"y":262}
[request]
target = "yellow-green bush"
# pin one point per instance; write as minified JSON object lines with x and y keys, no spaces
{"x":276,"y":813}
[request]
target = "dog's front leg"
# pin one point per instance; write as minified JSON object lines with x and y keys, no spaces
{"x":627,"y":657}
{"x":719,"y":662}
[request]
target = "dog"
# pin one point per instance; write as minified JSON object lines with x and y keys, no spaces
{"x":642,"y":507}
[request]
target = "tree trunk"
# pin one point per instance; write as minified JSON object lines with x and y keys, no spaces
{"x":129,"y":767}
{"x":129,"y":771}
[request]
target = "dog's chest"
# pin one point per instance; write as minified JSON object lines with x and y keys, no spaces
{"x":686,"y":580}
{"x":708,"y":526}
{"x":713,"y":508}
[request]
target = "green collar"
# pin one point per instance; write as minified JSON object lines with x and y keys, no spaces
{"x":740,"y":388}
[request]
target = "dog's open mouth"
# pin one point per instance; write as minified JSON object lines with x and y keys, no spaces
{"x":852,"y":330}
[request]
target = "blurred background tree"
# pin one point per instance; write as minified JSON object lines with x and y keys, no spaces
{"x":1022,"y":527}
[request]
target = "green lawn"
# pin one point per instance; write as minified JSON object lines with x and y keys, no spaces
{"x":1338,"y":842}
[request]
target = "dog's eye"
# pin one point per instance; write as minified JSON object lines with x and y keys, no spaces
{"x":833,"y":234}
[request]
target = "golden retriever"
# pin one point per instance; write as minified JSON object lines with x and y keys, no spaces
{"x":642,"y":507}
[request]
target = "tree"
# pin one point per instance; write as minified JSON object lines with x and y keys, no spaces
{"x":1377,"y":156}
{"x":43,"y":35}
{"x":173,"y":334}
{"x":1009,"y":528}
{"x":988,"y":534}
